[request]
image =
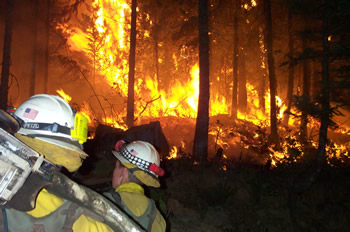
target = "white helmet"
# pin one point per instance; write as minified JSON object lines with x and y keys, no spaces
{"x":51,"y":119}
{"x":142,"y":156}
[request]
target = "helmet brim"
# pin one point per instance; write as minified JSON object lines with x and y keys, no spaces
{"x":148,"y":178}
{"x":120,"y":157}
{"x":71,"y":159}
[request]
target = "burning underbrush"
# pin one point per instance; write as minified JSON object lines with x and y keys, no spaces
{"x":248,"y":184}
{"x":241,"y":142}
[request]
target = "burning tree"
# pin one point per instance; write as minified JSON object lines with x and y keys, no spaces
{"x":94,"y":43}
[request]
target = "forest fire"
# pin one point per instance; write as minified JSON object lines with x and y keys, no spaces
{"x":167,"y":87}
{"x":246,"y":102}
{"x":106,"y":44}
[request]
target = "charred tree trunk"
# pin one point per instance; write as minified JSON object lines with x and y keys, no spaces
{"x":325,"y":102}
{"x":200,"y":146}
{"x":47,"y":39}
{"x":306,"y":86}
{"x":261,"y":85}
{"x":130,"y":106}
{"x":235,"y":59}
{"x":6,"y":56}
{"x":261,"y":92}
{"x":156,"y":55}
{"x":242,"y":85}
{"x":35,"y":49}
{"x":272,"y":76}
{"x":291,"y":64}
{"x":325,"y":94}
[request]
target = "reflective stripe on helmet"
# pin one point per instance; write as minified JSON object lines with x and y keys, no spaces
{"x":79,"y":132}
{"x":140,"y":163}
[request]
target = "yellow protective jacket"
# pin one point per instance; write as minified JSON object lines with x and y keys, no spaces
{"x":51,"y":213}
{"x":130,"y":197}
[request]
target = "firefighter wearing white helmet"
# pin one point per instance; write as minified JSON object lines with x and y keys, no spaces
{"x":137,"y":164}
{"x":52,"y":128}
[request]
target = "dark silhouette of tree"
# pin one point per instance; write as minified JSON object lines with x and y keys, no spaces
{"x":244,"y":44}
{"x":95,"y":38}
{"x":242,"y":83}
{"x":35,"y":48}
{"x":325,"y":91}
{"x":234,"y":107}
{"x":262,"y":71}
{"x":271,"y":69}
{"x":291,"y":64}
{"x":46,"y":48}
{"x":200,"y":145}
{"x":131,"y":77}
{"x":6,"y":57}
{"x":305,"y":43}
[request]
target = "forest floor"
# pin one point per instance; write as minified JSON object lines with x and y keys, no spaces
{"x":240,"y":193}
{"x":245,"y":198}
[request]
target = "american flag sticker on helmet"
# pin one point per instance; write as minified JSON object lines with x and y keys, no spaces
{"x":133,"y":152}
{"x":30,"y":113}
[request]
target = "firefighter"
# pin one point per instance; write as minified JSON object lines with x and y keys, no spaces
{"x":52,"y":128}
{"x":137,"y":165}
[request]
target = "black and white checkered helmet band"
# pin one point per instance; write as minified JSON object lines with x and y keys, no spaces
{"x":140,"y":163}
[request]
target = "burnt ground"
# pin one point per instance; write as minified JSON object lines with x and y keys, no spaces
{"x":242,"y":193}
{"x":244,"y":198}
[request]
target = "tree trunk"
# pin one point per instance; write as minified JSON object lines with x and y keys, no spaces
{"x":130,"y":106}
{"x":261,"y":91}
{"x":242,"y":85}
{"x":325,"y":96}
{"x":5,"y":71}
{"x":306,"y":86}
{"x":261,"y":85}
{"x":156,"y":56}
{"x":200,"y":146}
{"x":271,"y":69}
{"x":290,"y":86}
{"x":47,"y":39}
{"x":235,"y":59}
{"x":35,"y":49}
{"x":325,"y":101}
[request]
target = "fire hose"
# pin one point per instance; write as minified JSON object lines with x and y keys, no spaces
{"x":18,"y":162}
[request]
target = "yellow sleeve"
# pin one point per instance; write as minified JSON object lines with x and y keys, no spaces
{"x":45,"y":204}
{"x":87,"y":224}
{"x":159,"y":224}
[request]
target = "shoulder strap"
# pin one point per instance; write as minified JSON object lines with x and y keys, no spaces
{"x":3,"y":220}
{"x":71,"y":217}
{"x":73,"y":213}
{"x":114,"y":196}
{"x":151,"y":213}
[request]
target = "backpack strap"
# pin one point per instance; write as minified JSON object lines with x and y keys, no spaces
{"x":151,"y":214}
{"x":71,"y":217}
{"x":3,"y":220}
{"x":115,"y":197}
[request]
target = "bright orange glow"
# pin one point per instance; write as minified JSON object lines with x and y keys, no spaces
{"x":65,"y":96}
{"x":172,"y":153}
{"x":110,"y":60}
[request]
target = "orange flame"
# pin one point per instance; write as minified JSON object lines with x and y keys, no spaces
{"x":65,"y":96}
{"x":181,"y":100}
